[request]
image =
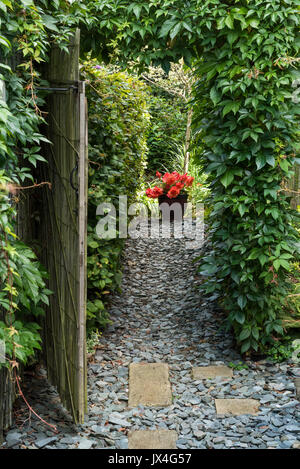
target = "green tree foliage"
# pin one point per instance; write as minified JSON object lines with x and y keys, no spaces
{"x":168,"y":103}
{"x":118,"y":125}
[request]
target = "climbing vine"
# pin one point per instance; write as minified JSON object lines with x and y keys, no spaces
{"x":250,"y":133}
{"x":27,"y":31}
{"x":23,"y":290}
{"x":245,"y":54}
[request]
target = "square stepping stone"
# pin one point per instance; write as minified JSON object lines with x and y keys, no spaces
{"x":149,"y":385}
{"x":209,"y":372}
{"x":237,"y":406}
{"x":152,"y":439}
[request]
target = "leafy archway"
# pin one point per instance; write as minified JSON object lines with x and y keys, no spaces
{"x":244,"y":53}
{"x":245,"y":66}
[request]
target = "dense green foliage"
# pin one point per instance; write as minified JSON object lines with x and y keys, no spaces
{"x":168,"y":109}
{"x":23,"y":42}
{"x":168,"y":121}
{"x":23,"y":290}
{"x":118,"y":125}
{"x":244,"y":55}
{"x":250,"y":130}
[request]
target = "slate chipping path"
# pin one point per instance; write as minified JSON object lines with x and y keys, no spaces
{"x":161,"y":317}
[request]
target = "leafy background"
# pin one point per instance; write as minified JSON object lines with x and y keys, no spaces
{"x":244,"y":58}
{"x":118,"y":126}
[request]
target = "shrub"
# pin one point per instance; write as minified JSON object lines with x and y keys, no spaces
{"x":250,"y":132}
{"x":118,"y":124}
{"x":168,"y":121}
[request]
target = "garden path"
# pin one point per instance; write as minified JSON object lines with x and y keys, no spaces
{"x":161,"y":318}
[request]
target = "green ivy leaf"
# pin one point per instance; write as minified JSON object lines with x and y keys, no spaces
{"x":239,"y":317}
{"x":229,"y":22}
{"x":227,"y":179}
{"x":245,"y":346}
{"x":242,"y":301}
{"x":245,"y":334}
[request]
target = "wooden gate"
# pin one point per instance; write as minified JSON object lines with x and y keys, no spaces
{"x":7,"y":396}
{"x":64,"y":228}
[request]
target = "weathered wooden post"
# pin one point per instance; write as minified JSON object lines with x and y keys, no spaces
{"x":65,"y":228}
{"x":294,"y":186}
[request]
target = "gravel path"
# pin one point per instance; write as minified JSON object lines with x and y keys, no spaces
{"x":161,"y":317}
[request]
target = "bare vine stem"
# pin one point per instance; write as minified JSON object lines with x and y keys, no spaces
{"x":14,"y":187}
{"x":286,"y":189}
{"x":53,"y":427}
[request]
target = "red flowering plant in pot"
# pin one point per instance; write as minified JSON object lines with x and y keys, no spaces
{"x":170,"y":189}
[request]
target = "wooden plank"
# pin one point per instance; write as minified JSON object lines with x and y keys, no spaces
{"x":7,"y":397}
{"x":83,"y":196}
{"x":66,"y":231}
{"x":294,"y":186}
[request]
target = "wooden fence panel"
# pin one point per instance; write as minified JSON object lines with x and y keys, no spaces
{"x":64,"y":229}
{"x":7,"y":396}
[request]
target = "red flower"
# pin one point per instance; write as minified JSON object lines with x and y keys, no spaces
{"x":173,"y":183}
{"x":154,"y":193}
{"x":157,"y":191}
{"x":173,"y":192}
{"x":177,"y":175}
{"x":183,"y":177}
{"x":169,"y":179}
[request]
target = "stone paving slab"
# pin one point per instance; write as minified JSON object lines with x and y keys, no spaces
{"x":237,"y":406}
{"x":149,"y":385}
{"x":209,"y":372}
{"x":152,"y":439}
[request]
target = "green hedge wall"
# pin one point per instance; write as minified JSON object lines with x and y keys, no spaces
{"x":118,"y":125}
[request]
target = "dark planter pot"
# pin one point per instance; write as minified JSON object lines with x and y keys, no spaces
{"x":180,"y":199}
